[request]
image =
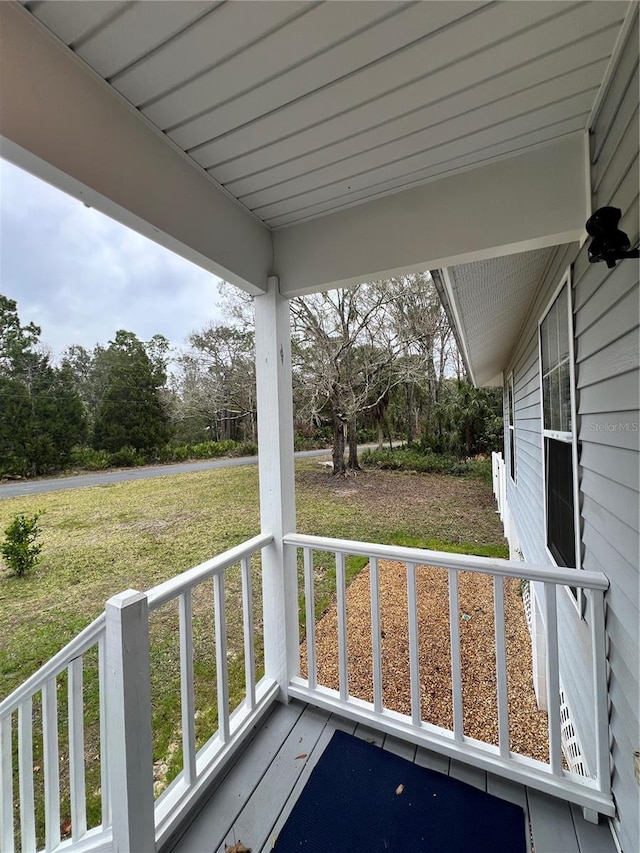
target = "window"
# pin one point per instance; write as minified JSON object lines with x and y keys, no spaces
{"x":512,"y":430}
{"x":558,"y":429}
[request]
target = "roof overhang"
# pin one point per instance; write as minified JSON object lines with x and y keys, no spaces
{"x":487,"y":303}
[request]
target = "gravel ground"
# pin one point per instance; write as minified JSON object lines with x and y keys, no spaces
{"x":527,"y":725}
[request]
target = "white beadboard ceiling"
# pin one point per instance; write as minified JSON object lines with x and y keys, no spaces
{"x":302,"y":108}
{"x":492,"y":299}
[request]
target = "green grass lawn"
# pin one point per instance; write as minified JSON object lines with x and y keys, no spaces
{"x":101,"y":540}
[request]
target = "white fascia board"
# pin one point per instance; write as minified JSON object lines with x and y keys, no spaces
{"x":526,"y":202}
{"x":442,"y":281}
{"x":483,"y":376}
{"x":63,"y":123}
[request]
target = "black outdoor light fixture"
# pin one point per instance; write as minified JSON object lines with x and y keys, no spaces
{"x":609,"y":243}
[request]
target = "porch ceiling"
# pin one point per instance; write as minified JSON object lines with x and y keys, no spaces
{"x":488,"y":302}
{"x":324,"y":143}
{"x":302,"y":108}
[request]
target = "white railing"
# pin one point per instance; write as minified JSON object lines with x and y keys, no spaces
{"x":17,"y":763}
{"x":199,"y":766}
{"x":547,"y":776}
{"x":130,"y":819}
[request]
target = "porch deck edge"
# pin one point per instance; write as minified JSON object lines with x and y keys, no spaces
{"x":564,"y":788}
{"x":173,"y":810}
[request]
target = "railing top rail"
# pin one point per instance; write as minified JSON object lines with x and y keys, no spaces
{"x":164,"y":592}
{"x":460,"y":562}
{"x":81,"y":643}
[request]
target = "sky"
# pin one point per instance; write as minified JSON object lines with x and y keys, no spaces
{"x":81,"y":276}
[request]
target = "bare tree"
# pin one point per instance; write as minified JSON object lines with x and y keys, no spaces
{"x":215,"y":381}
{"x":345,"y":353}
{"x":427,"y":345}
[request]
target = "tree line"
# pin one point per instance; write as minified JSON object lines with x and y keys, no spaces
{"x":377,"y":362}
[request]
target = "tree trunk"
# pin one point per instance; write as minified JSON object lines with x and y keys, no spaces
{"x":468,"y":435}
{"x":380,"y":415}
{"x":338,"y":447}
{"x":353,"y":463}
{"x":409,"y":415}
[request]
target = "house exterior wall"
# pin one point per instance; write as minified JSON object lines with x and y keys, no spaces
{"x":606,"y":330}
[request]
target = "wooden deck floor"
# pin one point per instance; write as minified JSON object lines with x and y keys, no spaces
{"x":253,"y":800}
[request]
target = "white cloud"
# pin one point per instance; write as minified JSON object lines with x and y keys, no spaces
{"x":81,"y":276}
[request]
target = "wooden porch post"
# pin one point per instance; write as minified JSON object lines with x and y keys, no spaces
{"x":277,"y":492}
{"x":129,"y":743}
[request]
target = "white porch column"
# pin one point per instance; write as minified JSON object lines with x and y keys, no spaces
{"x":277,"y":492}
{"x":129,"y":742}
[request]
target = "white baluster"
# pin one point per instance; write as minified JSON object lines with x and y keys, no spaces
{"x":501,"y":666}
{"x":51,"y":764}
{"x":105,"y":787}
{"x":456,"y":670}
{"x":553,"y":678}
{"x":310,"y":616}
{"x":374,"y":582}
{"x":341,"y":606}
{"x":76,"y":750}
{"x":6,"y":786}
{"x":249,"y":642}
{"x":25,"y":771}
{"x":414,"y":660}
{"x":222,"y":674}
{"x":186,"y":687}
{"x":600,"y":691}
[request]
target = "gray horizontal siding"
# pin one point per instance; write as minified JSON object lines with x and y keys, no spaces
{"x":620,"y":356}
{"x":616,"y":296}
{"x":603,"y":332}
{"x":606,"y":324}
{"x":525,"y":509}
{"x":623,"y":538}
{"x":602,"y":396}
{"x":606,"y":330}
{"x":611,"y":462}
{"x":605,"y":490}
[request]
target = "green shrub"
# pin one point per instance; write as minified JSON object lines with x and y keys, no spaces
{"x":202,"y":450}
{"x":414,"y":460}
{"x":181,"y":453}
{"x":126,"y":457}
{"x":212,"y":449}
{"x":165,"y":453}
{"x":480,"y":468}
{"x":304,"y":442}
{"x":247,"y":448}
{"x":89,"y":459}
{"x":19,"y":549}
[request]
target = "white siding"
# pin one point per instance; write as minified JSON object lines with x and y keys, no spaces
{"x":606,"y":312}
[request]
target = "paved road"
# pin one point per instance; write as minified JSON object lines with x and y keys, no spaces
{"x":98,"y":478}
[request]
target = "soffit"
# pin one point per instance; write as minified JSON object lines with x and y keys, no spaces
{"x":303,"y":108}
{"x":491,"y":301}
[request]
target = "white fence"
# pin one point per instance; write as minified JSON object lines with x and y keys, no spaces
{"x":498,"y":478}
{"x":130,"y":819}
{"x":547,"y":776}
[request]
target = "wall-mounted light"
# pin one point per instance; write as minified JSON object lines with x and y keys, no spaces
{"x":609,"y":243}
